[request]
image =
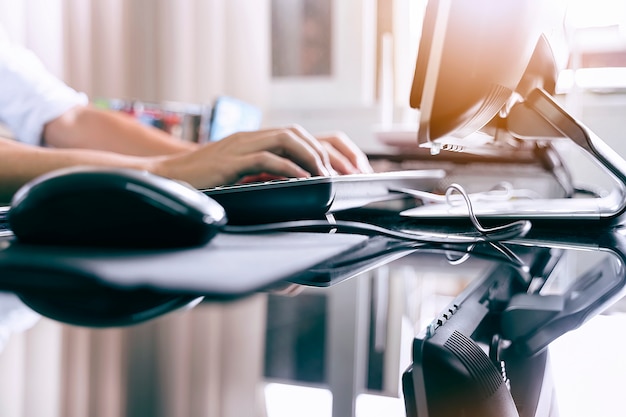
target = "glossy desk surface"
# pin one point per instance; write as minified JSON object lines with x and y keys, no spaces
{"x":371,"y":301}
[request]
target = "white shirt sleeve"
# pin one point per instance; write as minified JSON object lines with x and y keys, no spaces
{"x":30,"y":96}
{"x":15,"y":317}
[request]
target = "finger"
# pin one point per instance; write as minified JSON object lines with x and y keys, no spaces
{"x":301,"y":133}
{"x":285,"y":143}
{"x":262,"y":177}
{"x":314,"y":143}
{"x":268,"y":163}
{"x":338,"y":160}
{"x":348,"y":149}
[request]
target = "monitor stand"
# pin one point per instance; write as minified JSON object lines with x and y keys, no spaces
{"x":540,"y":117}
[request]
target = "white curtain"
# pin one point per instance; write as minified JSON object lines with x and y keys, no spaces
{"x":205,"y":362}
{"x":209,"y":360}
{"x":153,"y":50}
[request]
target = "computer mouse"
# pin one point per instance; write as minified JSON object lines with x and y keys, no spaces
{"x":112,"y":207}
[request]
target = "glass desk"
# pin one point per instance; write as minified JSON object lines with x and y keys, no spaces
{"x":349,"y":328}
{"x":511,"y":302}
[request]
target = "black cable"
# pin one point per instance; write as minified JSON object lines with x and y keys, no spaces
{"x":368,"y":229}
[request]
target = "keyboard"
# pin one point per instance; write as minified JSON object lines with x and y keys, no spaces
{"x":315,"y":197}
{"x":4,"y":225}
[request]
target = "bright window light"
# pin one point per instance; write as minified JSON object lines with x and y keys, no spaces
{"x":600,"y":80}
{"x":368,"y":405}
{"x":284,"y":400}
{"x":589,"y":367}
{"x":597,"y":13}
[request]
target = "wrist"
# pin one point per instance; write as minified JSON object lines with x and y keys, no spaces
{"x":157,"y":165}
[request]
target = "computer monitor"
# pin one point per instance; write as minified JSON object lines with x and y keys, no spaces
{"x":484,"y":69}
{"x":484,"y":84}
{"x":471,"y":66}
{"x":473,"y":56}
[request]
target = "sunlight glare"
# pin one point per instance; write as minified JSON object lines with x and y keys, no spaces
{"x":598,"y":13}
{"x":284,"y":400}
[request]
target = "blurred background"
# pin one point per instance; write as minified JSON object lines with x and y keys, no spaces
{"x":325,"y":64}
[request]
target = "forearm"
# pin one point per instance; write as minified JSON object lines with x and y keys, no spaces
{"x":20,"y":163}
{"x":91,"y":128}
{"x":289,"y":152}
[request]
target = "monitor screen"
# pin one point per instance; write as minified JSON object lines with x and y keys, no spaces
{"x":231,"y":115}
{"x":472,"y":57}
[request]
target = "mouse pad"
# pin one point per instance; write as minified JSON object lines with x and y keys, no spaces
{"x":227,"y":267}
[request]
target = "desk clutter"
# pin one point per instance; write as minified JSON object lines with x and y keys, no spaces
{"x":185,"y":121}
{"x":199,"y":123}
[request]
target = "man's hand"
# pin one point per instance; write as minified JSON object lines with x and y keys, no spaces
{"x":288,"y":152}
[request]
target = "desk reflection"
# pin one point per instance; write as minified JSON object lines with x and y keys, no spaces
{"x":346,"y":339}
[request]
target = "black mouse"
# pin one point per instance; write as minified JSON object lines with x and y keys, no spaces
{"x":112,"y":207}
